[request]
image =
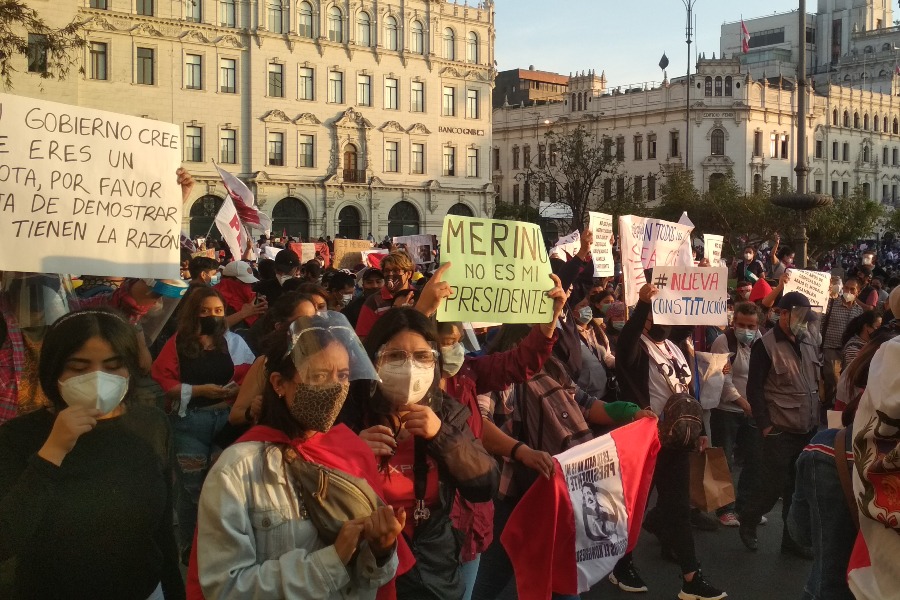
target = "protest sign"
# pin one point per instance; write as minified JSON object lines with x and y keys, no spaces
{"x":418,"y":247}
{"x":373,"y":258}
{"x":87,"y":191}
{"x":712,"y":249}
{"x":646,"y":243}
{"x":690,"y":296}
{"x":499,"y":271}
{"x":569,"y":244}
{"x":601,"y":251}
{"x":812,"y":284}
{"x":347,"y":252}
{"x":307,"y":251}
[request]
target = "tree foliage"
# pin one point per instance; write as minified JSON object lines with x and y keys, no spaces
{"x":847,"y":220}
{"x":52,"y":50}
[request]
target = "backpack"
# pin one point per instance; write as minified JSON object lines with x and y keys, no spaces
{"x":681,"y":422}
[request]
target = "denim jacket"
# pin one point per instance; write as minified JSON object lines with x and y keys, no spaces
{"x":253,"y":543}
{"x":820,"y":518}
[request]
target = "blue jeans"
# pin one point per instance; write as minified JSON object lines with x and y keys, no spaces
{"x":731,"y":429}
{"x":195,"y":452}
{"x":468,"y":571}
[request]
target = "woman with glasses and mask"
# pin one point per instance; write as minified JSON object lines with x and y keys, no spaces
{"x":86,"y":482}
{"x":397,"y":268}
{"x":200,"y":369}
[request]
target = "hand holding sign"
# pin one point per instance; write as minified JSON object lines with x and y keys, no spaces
{"x":647,"y":292}
{"x":559,"y":301}
{"x":186,"y":181}
{"x":587,"y":241}
{"x":434,"y":291}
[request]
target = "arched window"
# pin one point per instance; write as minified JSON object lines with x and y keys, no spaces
{"x":403,"y":219}
{"x":349,"y":223}
{"x":364,"y":29}
{"x":203,"y":213}
{"x":391,"y":36}
{"x":417,"y":38}
{"x":867,"y":191}
{"x":717,"y":143}
{"x":757,"y":183}
{"x":856,"y":120}
{"x":834,"y":117}
{"x":876,"y":124}
{"x":865,"y":154}
{"x":291,"y":215}
{"x":449,"y":44}
{"x":707,"y":87}
{"x":866,"y":121}
{"x":460,"y":210}
{"x":885,"y":124}
{"x":895,"y":127}
{"x":305,"y":20}
{"x":846,"y":119}
{"x":573,"y":102}
{"x":886,"y":47}
{"x":352,"y":171}
{"x":728,"y":86}
{"x":335,"y":24}
{"x":579,"y":101}
{"x":472,"y":47}
{"x":718,"y":86}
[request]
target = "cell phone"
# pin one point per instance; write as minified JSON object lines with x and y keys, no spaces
{"x":259,"y":299}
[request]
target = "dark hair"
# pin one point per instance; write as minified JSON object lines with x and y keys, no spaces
{"x":373,"y":273}
{"x":784,"y":251}
{"x":312,"y":268}
{"x":601,"y":296}
{"x":280,"y":314}
{"x":858,"y":371}
{"x":200,"y":264}
{"x":856,"y":324}
{"x":854,"y":280}
{"x":70,"y":333}
{"x":746,"y":308}
{"x":187,"y":341}
{"x":339,"y":280}
{"x":305,"y":287}
{"x":508,"y":337}
{"x":266,"y":269}
{"x":446,"y":327}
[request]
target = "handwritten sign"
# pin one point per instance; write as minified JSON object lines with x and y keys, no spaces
{"x":307,"y":251}
{"x":418,"y":247}
{"x":690,"y":296}
{"x":812,"y":284}
{"x":347,"y":252}
{"x":87,"y":191}
{"x":601,"y":251}
{"x":569,"y":245}
{"x":647,"y":243}
{"x":499,"y":272}
{"x":712,"y":249}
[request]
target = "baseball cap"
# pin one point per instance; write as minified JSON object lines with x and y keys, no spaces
{"x":287,"y":258}
{"x":241,"y":270}
{"x":793,"y":300}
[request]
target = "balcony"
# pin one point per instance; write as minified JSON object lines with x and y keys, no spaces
{"x":354,"y":176}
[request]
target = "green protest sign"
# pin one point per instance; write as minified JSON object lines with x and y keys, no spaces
{"x":499,"y":271}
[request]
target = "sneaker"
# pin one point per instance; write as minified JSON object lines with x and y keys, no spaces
{"x":700,"y":589}
{"x":729,"y":519}
{"x":628,"y":579}
{"x":702,"y":521}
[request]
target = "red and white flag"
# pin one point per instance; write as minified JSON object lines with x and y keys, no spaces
{"x":245,"y":202}
{"x":567,"y":533}
{"x":233,"y":232}
{"x":745,"y":38}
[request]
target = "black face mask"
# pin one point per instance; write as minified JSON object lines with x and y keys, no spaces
{"x":214,"y":326}
{"x":659,"y":333}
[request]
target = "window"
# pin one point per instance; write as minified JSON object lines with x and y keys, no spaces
{"x":391,"y":37}
{"x":145,"y":66}
{"x":866,"y":121}
{"x":542,"y":155}
{"x":515,"y":158}
{"x":305,"y":88}
{"x":417,"y":38}
{"x":305,"y":20}
{"x":757,"y":143}
{"x":364,"y":29}
{"x":651,"y":146}
{"x":516,"y":194}
{"x":834,"y":117}
{"x":846,"y":119}
{"x":834,"y":151}
{"x":651,"y":188}
{"x":894,"y":193}
{"x":472,"y":111}
{"x":552,"y":155}
{"x":607,"y":148}
{"x":417,"y":96}
{"x":638,"y":147}
{"x":718,"y":86}
{"x":496,"y":158}
{"x":673,"y":143}
{"x":144,"y":7}
{"x":818,"y":186}
{"x":638,"y":187}
{"x":276,"y":149}
{"x":276,"y":80}
{"x":335,"y":87}
{"x":227,"y":13}
{"x":894,"y":128}
{"x":418,"y":159}
{"x":542,"y":191}
{"x":773,"y":184}
{"x":865,"y":154}
{"x":834,"y":189}
{"x":472,"y":47}
{"x":757,"y":183}
{"x":193,"y":144}
{"x":98,"y":61}
{"x":767,"y":37}
{"x":620,"y":149}
{"x":707,"y":87}
{"x":391,"y":94}
{"x":875,"y":123}
{"x":391,"y":158}
{"x":449,"y":161}
{"x":37,"y":53}
{"x":819,"y":148}
{"x":101,"y":4}
{"x":895,"y":157}
{"x":526,"y":156}
{"x":778,"y":146}
{"x":364,"y":90}
{"x":855,"y":120}
{"x":307,"y":150}
{"x":193,"y":10}
{"x":276,"y":16}
{"x":728,"y":82}
{"x":228,"y":76}
{"x":884,"y":156}
{"x":620,"y":188}
{"x":846,"y":152}
{"x":785,"y":185}
{"x":449,"y":104}
{"x":449,"y":44}
{"x":717,"y":143}
{"x":845,"y":189}
{"x":472,"y":162}
{"x":607,"y":189}
{"x":884,"y":193}
{"x":335,"y":25}
{"x":228,"y":146}
{"x":193,"y":72}
{"x":785,"y":150}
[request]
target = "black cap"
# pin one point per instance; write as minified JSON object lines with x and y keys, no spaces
{"x":794,"y":300}
{"x":287,"y":258}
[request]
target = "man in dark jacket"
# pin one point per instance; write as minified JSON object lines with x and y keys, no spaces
{"x":287,"y":266}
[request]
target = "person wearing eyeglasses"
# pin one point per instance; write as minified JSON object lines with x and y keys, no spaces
{"x":397,"y":268}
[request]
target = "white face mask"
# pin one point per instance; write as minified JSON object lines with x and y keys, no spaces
{"x":748,"y":257}
{"x":347,"y":298}
{"x":848,"y":297}
{"x":96,"y":389}
{"x":405,"y":384}
{"x":282,"y":278}
{"x":453,"y":357}
{"x":867,"y":260}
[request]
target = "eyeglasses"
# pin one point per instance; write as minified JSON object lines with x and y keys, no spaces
{"x":398,"y":358}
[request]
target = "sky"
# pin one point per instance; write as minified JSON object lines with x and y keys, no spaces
{"x":624,"y":37}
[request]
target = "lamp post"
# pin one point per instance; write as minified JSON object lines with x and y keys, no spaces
{"x":802,"y":200}
{"x":688,"y":33}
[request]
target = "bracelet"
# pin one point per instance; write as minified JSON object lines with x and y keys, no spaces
{"x":247,"y":416}
{"x":512,"y":453}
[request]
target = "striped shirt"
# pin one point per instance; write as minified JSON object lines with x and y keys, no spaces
{"x":836,"y":322}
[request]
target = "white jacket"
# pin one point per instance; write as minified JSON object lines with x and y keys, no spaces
{"x":252,"y":542}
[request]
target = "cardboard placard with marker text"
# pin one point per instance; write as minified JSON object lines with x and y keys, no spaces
{"x":812,"y":284}
{"x":691,"y":296}
{"x":647,"y":243}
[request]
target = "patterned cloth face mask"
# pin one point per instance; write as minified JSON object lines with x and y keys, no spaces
{"x":316,"y":407}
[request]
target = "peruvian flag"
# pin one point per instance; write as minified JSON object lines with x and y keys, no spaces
{"x":745,"y":38}
{"x":567,"y":533}
{"x":231,"y":228}
{"x":245,"y":202}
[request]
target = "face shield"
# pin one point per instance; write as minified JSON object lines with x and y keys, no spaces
{"x":799,"y":323}
{"x":36,"y":300}
{"x":325,"y":350}
{"x":169,"y":293}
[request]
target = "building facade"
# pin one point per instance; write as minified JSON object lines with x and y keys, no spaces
{"x":345,"y":117}
{"x":526,"y":86}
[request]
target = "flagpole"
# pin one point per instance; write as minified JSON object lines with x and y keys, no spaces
{"x":689,"y":31}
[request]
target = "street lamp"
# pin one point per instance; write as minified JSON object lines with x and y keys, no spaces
{"x":688,"y":32}
{"x":802,"y":200}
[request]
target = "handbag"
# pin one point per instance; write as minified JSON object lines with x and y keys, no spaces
{"x":331,"y":497}
{"x":711,"y":485}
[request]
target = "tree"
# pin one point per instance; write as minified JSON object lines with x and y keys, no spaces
{"x":848,"y":219}
{"x":24,"y":33}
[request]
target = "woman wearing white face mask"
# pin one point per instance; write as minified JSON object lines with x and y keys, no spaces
{"x":86,"y":483}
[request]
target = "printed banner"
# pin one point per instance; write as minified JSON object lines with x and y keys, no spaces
{"x":712,"y":249}
{"x":418,"y":247}
{"x":691,"y":296}
{"x":601,"y":251}
{"x":499,"y":271}
{"x":812,"y":284}
{"x":87,"y":191}
{"x":646,"y":243}
{"x":347,"y":252}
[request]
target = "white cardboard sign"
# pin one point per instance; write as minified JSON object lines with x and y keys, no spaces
{"x":601,"y":225}
{"x":646,"y":243}
{"x":87,"y":191}
{"x":690,"y":296}
{"x":712,"y":249}
{"x":812,"y":284}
